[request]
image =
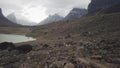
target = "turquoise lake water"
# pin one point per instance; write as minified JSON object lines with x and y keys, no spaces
{"x":15,"y":38}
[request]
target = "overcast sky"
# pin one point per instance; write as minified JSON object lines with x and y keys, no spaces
{"x":37,"y":10}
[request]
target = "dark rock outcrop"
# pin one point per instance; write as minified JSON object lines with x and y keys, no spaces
{"x":7,"y":45}
{"x":10,"y":46}
{"x":99,"y":5}
{"x":24,"y":48}
{"x":75,"y":13}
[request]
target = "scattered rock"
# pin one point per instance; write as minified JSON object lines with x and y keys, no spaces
{"x":58,"y":64}
{"x":45,"y":46}
{"x":114,"y":60}
{"x":97,"y":57}
{"x":59,"y":56}
{"x":69,"y":65}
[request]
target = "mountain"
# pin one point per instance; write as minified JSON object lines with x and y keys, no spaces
{"x":112,"y":9}
{"x":88,"y":42}
{"x":4,"y":21}
{"x":12,"y":17}
{"x":75,"y":13}
{"x":51,"y":19}
{"x":22,"y":20}
{"x":103,"y":23}
{"x":98,"y":5}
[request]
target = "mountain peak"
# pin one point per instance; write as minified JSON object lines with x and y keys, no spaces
{"x":4,"y":21}
{"x":51,"y":18}
{"x":75,"y":13}
{"x":12,"y":17}
{"x":78,"y":8}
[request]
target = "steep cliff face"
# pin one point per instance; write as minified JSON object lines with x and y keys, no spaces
{"x":0,"y":12}
{"x":98,"y":5}
{"x":51,"y":19}
{"x":112,"y":9}
{"x":4,"y":21}
{"x":24,"y":21}
{"x":75,"y":13}
{"x":12,"y":17}
{"x":1,"y":15}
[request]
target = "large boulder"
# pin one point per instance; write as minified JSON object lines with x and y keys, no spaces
{"x":7,"y":45}
{"x":24,"y":48}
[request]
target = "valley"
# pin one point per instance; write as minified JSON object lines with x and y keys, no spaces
{"x":80,"y":40}
{"x":72,"y":45}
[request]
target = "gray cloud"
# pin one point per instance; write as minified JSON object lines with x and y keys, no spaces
{"x":62,"y":6}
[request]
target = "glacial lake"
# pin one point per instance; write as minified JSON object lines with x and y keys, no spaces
{"x":15,"y":38}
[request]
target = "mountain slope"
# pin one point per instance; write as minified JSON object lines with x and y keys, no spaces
{"x":20,"y":20}
{"x":101,"y":24}
{"x":51,"y":19}
{"x":75,"y":13}
{"x":112,"y":9}
{"x":4,"y":21}
{"x":97,"y":5}
{"x":12,"y":17}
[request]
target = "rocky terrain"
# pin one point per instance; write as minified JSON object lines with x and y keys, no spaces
{"x":87,"y":44}
{"x":68,"y":55}
{"x":22,"y":30}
